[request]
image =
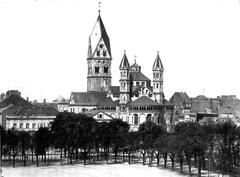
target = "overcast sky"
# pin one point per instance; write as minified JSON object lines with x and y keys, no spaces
{"x":43,"y":44}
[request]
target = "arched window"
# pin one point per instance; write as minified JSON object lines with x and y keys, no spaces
{"x":105,"y":70}
{"x":157,"y":85}
{"x":104,"y":53}
{"x":98,"y":53}
{"x":96,"y":70}
{"x":135,"y":119}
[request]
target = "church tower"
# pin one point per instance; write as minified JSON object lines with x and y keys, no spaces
{"x":158,"y":80}
{"x":124,"y":80}
{"x":99,"y":59}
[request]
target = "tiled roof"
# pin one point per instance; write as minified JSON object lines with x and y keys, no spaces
{"x":138,"y":76}
{"x":144,"y":101}
{"x":226,"y":110}
{"x":124,"y":63}
{"x":179,"y":97}
{"x":14,"y":100}
{"x":89,"y":98}
{"x":201,"y":98}
{"x":94,"y":40}
{"x":157,"y":63}
{"x":36,"y":111}
{"x":115,"y":90}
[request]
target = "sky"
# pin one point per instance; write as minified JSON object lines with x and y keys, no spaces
{"x":43,"y":44}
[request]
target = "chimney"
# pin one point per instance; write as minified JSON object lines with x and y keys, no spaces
{"x":44,"y":101}
{"x":27,"y":99}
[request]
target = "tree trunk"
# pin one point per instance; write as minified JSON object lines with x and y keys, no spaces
{"x":123,"y":156}
{"x":115,"y":157}
{"x":172,"y":157}
{"x":199,"y":165}
{"x":61,"y":156}
{"x":165,"y":159}
{"x":189,"y":161}
{"x":37,"y":159}
{"x":129,"y":157}
{"x":181,"y":163}
{"x":157,"y":156}
{"x":143,"y":154}
{"x":195,"y":160}
{"x":32,"y":153}
{"x":76,"y":154}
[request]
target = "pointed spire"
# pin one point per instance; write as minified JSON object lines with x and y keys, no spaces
{"x":157,"y":63}
{"x":124,"y":63}
{"x":98,"y":34}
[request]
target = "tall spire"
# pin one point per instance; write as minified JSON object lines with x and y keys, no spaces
{"x":98,"y":35}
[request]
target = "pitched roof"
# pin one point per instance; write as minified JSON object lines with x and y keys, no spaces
{"x":138,"y":76}
{"x":36,"y":111}
{"x":89,"y":98}
{"x":60,"y":99}
{"x":135,"y":65}
{"x":144,"y":101}
{"x":115,"y":90}
{"x":157,"y":63}
{"x":14,"y":100}
{"x":226,"y":110}
{"x":124,"y":63}
{"x":98,"y":33}
{"x":201,"y":98}
{"x":179,"y":97}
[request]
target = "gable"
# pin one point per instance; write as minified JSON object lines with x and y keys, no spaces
{"x":101,"y":50}
{"x":102,"y":117}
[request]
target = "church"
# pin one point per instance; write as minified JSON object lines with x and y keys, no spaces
{"x":137,"y":98}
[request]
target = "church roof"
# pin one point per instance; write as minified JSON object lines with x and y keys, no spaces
{"x":144,"y":101}
{"x":124,"y":63}
{"x":115,"y":90}
{"x":90,"y":98}
{"x":157,"y":63}
{"x":60,"y":99}
{"x":138,"y":76}
{"x":99,"y":33}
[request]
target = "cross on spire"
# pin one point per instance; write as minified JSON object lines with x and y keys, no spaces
{"x":135,"y":56}
{"x":99,"y":7}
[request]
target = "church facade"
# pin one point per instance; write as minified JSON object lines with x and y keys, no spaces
{"x":135,"y":100}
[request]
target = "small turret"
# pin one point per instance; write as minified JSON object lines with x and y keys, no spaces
{"x":124,"y":80}
{"x":158,"y":79}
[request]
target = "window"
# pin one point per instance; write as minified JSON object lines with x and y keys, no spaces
{"x":21,"y":125}
{"x":27,"y":125}
{"x":33,"y":125}
{"x":101,"y":46}
{"x":14,"y":125}
{"x":137,"y":83}
{"x":143,"y":83}
{"x":104,"y":53}
{"x":98,"y":53}
{"x":135,"y":119}
{"x":100,"y":116}
{"x":96,"y":70}
{"x":157,"y":75}
{"x":153,"y":75}
{"x":105,"y":70}
{"x":157,"y":85}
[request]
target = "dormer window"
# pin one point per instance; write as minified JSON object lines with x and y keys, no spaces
{"x":98,"y":53}
{"x":104,"y":53}
{"x":96,"y":70}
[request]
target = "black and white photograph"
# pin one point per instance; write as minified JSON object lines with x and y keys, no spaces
{"x":119,"y":88}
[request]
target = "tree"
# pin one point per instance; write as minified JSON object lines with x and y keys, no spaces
{"x":24,"y":143}
{"x":12,"y":141}
{"x":41,"y":142}
{"x":148,"y":133}
{"x":118,"y":132}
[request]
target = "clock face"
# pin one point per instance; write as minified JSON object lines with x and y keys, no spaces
{"x":101,"y":46}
